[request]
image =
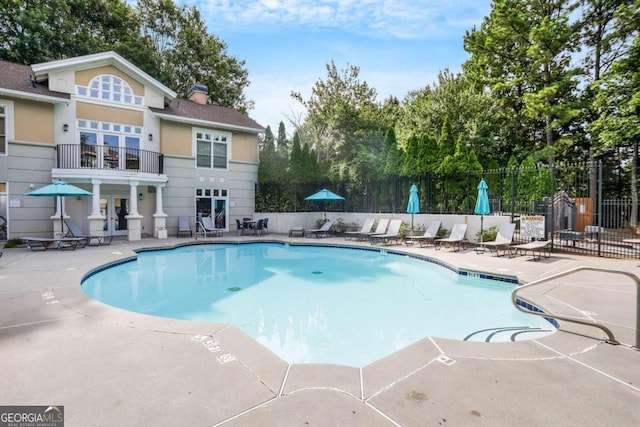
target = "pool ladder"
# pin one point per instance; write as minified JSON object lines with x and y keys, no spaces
{"x":610,"y":338}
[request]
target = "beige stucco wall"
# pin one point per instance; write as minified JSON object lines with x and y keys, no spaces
{"x":34,"y":122}
{"x":84,"y":77}
{"x":109,"y":114}
{"x":175,"y":139}
{"x":244,"y":147}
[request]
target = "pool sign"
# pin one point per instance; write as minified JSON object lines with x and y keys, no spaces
{"x":532,"y":226}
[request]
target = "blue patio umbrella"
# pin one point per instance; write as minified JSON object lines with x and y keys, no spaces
{"x":413,"y":207}
{"x":59,"y":189}
{"x":324,"y":195}
{"x":482,"y":203}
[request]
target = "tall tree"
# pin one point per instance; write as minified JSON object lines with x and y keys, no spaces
{"x":522,"y":53}
{"x":191,"y":55}
{"x":282,"y":143}
{"x":618,"y":100}
{"x":338,"y":111}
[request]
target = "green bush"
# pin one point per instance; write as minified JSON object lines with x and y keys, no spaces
{"x":12,"y":243}
{"x":488,"y":234}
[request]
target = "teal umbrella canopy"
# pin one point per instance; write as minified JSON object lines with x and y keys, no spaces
{"x":413,"y":207}
{"x":59,"y":189}
{"x":324,"y":194}
{"x":482,"y":203}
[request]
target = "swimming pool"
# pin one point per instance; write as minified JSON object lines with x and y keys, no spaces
{"x":315,"y":304}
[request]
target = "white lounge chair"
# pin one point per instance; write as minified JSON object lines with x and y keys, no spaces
{"x":503,"y":240}
{"x":207,"y":227}
{"x":538,"y":248}
{"x":323,"y":231}
{"x":381,"y":228}
{"x":366,"y":228}
{"x":74,"y":230}
{"x":429,"y":236}
{"x":456,"y":239}
{"x":392,"y":234}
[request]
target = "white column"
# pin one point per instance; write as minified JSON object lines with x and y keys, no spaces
{"x":95,"y":201}
{"x":159,"y":209}
{"x":133,"y":197}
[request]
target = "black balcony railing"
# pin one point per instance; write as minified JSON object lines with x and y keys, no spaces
{"x":77,"y":156}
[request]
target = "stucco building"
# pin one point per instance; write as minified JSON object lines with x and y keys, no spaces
{"x":102,"y":124}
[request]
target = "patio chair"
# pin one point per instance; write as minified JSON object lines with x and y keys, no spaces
{"x":265,"y":225}
{"x":240,"y":227}
{"x":381,"y":228}
{"x":74,"y":230}
{"x":259,"y":228}
{"x":323,"y":231}
{"x":207,"y":227}
{"x":183,"y":226}
{"x":392,"y":234}
{"x":503,"y":240}
{"x":429,"y":236}
{"x":366,"y":228}
{"x":456,"y":239}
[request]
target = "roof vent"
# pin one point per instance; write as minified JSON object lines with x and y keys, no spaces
{"x":198,"y":94}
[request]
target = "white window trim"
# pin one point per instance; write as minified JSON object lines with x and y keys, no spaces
{"x":136,"y":100}
{"x":212,"y":132}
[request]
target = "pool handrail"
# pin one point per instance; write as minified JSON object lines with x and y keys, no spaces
{"x":610,"y":337}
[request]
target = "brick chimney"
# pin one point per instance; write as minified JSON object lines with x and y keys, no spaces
{"x":198,"y":94}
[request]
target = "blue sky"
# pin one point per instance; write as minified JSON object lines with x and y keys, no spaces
{"x":399,"y":45}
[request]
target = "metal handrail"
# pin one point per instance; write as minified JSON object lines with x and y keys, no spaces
{"x":611,"y":339}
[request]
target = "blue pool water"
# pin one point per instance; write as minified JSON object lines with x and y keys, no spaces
{"x":312,"y":304}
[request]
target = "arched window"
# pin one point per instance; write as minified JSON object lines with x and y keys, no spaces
{"x":110,"y":88}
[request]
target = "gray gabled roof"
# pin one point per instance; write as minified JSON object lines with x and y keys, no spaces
{"x":183,"y":110}
{"x":17,"y":80}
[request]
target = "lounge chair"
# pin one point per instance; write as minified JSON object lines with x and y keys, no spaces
{"x":74,"y":230}
{"x":456,"y":239}
{"x":297,"y":232}
{"x":366,"y":228}
{"x":538,"y":248}
{"x":429,"y":235}
{"x":323,"y":231}
{"x":392,"y":234}
{"x":381,"y":228}
{"x":207,"y":227}
{"x":183,"y":226}
{"x":503,"y":240}
{"x":44,"y":243}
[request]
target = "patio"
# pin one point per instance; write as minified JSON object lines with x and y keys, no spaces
{"x":112,"y":367}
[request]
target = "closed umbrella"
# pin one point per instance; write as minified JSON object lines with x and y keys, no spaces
{"x":59,"y":189}
{"x":482,"y":203}
{"x":413,"y":207}
{"x":324,"y":195}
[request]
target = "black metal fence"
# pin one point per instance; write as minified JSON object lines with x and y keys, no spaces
{"x":80,"y":156}
{"x":578,"y":217}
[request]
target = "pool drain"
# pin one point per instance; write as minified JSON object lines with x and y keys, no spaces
{"x":316,"y":272}
{"x":234,"y":289}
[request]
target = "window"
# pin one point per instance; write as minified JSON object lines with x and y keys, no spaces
{"x":213,"y":202}
{"x":109,"y":88}
{"x":3,"y":129}
{"x":109,"y":145}
{"x":211,"y":150}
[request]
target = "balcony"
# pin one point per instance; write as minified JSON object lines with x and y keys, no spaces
{"x":77,"y":156}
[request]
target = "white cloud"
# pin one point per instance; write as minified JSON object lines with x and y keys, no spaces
{"x":389,"y":18}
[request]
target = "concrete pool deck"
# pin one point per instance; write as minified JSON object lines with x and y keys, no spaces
{"x":112,"y":367}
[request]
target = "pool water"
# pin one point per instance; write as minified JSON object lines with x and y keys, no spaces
{"x":313,"y":304}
